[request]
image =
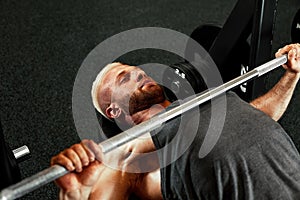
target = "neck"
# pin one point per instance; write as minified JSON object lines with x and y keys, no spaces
{"x":146,"y":114}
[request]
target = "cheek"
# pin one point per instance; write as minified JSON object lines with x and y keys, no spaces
{"x":121,"y":95}
{"x":131,"y":85}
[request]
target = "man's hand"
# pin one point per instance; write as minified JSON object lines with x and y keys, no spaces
{"x":275,"y":101}
{"x":95,"y":175}
{"x":293,"y":51}
{"x":82,"y":160}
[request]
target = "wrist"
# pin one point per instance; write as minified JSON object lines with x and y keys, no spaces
{"x":292,"y":74}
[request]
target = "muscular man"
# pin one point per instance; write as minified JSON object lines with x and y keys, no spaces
{"x":253,"y":159}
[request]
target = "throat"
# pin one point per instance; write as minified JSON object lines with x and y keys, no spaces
{"x":146,"y":114}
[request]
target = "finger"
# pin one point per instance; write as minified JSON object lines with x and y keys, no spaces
{"x":297,"y":52}
{"x":72,"y":155}
{"x":291,"y":54}
{"x":283,"y":51}
{"x":278,"y":53}
{"x":94,"y":148}
{"x":88,"y":151}
{"x":81,"y":153}
{"x":63,"y":161}
{"x":293,"y":60}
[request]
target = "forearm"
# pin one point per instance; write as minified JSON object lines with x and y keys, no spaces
{"x":274,"y":103}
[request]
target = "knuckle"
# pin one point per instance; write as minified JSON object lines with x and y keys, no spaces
{"x":77,"y":147}
{"x":85,"y":141}
{"x":59,"y":160}
{"x":69,"y":153}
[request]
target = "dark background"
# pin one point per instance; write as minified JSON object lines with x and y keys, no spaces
{"x":43,"y":43}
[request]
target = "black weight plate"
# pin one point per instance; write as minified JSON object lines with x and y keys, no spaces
{"x":236,"y":61}
{"x":295,"y":32}
{"x":9,"y":169}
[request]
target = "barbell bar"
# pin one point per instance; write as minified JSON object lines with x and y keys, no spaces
{"x":56,"y":171}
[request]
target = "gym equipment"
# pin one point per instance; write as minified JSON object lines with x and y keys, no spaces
{"x":31,"y":183}
{"x":22,"y":153}
{"x":295,"y":32}
{"x":236,"y":62}
{"x":9,"y":169}
{"x":229,"y":43}
{"x":182,"y":80}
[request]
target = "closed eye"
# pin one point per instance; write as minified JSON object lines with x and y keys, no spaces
{"x":125,"y":78}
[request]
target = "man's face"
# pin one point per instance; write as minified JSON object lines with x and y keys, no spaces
{"x":132,"y":89}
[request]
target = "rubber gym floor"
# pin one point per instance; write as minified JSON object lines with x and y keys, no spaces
{"x":43,"y":44}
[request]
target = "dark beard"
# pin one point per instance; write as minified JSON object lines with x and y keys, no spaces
{"x":141,"y":100}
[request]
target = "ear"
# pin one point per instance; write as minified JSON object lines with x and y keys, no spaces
{"x":113,"y":111}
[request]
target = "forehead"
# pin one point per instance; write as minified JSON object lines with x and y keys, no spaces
{"x":111,"y":75}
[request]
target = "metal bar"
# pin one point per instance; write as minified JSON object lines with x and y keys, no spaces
{"x":31,"y":183}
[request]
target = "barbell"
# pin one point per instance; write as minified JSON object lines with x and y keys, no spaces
{"x":52,"y":173}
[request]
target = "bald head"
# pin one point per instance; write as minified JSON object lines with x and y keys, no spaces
{"x":121,"y":89}
{"x":97,"y":92}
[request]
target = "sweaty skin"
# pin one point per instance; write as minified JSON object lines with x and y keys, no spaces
{"x":133,"y":97}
